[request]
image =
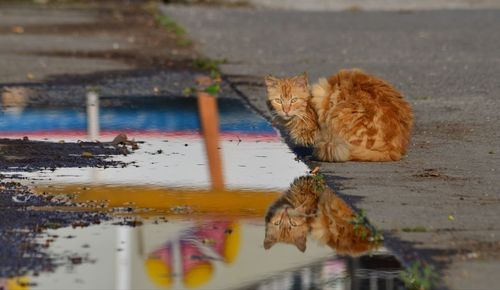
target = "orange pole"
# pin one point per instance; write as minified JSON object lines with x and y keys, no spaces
{"x":207,"y":107}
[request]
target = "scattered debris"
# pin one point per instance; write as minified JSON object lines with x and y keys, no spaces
{"x":20,"y":198}
{"x":122,"y":139}
{"x":25,"y":155}
{"x":181,"y":209}
{"x":17,"y":29}
{"x":429,"y":172}
{"x":87,"y":154}
{"x":417,"y":229}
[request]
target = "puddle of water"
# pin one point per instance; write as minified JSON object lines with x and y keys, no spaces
{"x":190,"y":235}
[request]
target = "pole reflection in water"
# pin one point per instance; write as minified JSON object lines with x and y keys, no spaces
{"x":93,"y":116}
{"x":209,"y":116}
{"x":124,"y":258}
{"x":14,"y":99}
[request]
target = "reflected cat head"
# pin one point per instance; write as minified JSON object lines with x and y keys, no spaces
{"x":288,"y":218}
{"x":284,"y":224}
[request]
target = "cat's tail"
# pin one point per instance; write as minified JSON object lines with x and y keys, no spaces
{"x":333,"y":150}
{"x":321,"y":89}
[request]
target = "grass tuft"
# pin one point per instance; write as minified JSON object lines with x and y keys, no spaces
{"x":419,"y":277}
{"x":208,"y":64}
{"x":172,"y":26}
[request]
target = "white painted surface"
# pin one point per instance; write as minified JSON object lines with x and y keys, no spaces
{"x":247,"y":165}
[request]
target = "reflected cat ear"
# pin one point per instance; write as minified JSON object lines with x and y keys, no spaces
{"x":301,"y":244}
{"x":268,"y":243}
{"x":271,"y":81}
{"x":301,"y":80}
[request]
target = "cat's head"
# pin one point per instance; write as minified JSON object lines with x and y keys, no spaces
{"x":288,"y":96}
{"x":286,"y":225}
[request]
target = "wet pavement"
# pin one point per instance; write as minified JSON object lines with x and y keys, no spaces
{"x":440,"y":203}
{"x":157,"y":221}
{"x":143,"y":210}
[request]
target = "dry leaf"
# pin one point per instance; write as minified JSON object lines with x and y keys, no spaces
{"x":315,"y":170}
{"x":203,"y":81}
{"x":18,"y":29}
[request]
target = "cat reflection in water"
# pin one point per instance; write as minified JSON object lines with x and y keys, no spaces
{"x":310,"y":207}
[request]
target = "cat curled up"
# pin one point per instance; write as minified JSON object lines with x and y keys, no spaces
{"x":310,"y":207}
{"x":349,"y":116}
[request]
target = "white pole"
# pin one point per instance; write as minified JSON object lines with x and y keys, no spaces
{"x":176,"y":264}
{"x":124,"y":258}
{"x":92,"y":116}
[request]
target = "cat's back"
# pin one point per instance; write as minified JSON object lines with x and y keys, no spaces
{"x":357,"y":85}
{"x":363,"y":113}
{"x":334,"y":226}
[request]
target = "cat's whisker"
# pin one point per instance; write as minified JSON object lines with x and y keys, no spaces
{"x":274,"y":114}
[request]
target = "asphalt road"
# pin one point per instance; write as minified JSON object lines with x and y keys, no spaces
{"x":447,"y":64}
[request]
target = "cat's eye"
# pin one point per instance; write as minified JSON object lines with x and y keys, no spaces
{"x":294,"y":224}
{"x":294,"y":100}
{"x":277,"y":100}
{"x":277,"y":223}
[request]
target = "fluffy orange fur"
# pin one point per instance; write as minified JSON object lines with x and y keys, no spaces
{"x":334,"y":227}
{"x":350,"y":116}
{"x":309,"y":206}
{"x":288,"y":219}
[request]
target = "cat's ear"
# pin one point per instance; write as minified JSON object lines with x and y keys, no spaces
{"x":269,"y":242}
{"x":271,"y":82}
{"x":301,"y":243}
{"x":301,"y":81}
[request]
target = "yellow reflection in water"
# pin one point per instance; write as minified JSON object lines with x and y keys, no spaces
{"x":245,"y":203}
{"x":17,"y":283}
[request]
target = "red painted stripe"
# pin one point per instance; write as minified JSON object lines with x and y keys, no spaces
{"x":78,"y":134}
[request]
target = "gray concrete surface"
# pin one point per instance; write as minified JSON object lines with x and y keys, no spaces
{"x":59,"y":52}
{"x":447,"y":63}
{"x":372,"y":5}
{"x":45,"y":41}
{"x":22,"y":52}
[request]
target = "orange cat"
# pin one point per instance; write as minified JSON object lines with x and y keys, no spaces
{"x":309,"y":206}
{"x":350,"y":116}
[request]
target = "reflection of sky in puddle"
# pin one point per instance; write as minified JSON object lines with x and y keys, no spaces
{"x":217,"y":244}
{"x":164,"y":116}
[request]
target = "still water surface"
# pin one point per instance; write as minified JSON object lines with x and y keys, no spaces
{"x":189,"y":235}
